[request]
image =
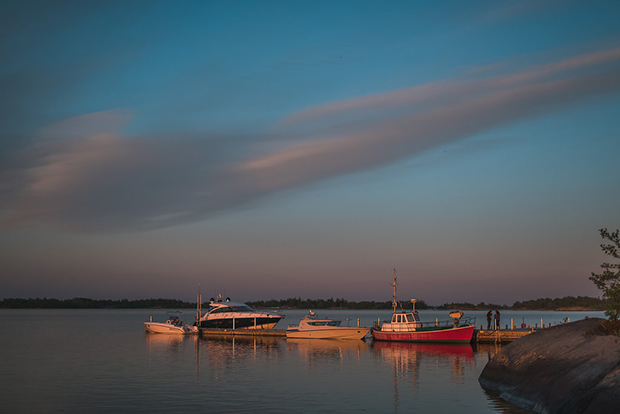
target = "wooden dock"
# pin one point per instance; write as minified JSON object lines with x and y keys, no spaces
{"x":481,"y":336}
{"x":500,"y":336}
{"x":281,"y":333}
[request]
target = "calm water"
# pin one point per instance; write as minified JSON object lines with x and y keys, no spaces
{"x":102,"y":361}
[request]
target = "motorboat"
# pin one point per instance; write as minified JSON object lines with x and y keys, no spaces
{"x":406,"y":326}
{"x":172,"y":326}
{"x":224,"y":314}
{"x":313,"y":327}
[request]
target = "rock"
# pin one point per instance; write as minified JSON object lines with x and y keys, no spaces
{"x":570,"y":368}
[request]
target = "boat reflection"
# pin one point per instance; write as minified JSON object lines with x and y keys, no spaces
{"x":170,"y":342}
{"x":315,"y":350}
{"x":223,"y":354}
{"x":411,"y":361}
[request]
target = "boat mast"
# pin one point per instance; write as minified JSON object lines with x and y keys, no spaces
{"x":198,"y":306}
{"x":394,"y":299}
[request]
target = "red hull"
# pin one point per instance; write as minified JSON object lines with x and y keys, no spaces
{"x":462,"y":334}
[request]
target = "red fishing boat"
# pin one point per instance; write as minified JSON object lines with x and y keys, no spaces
{"x":406,"y":326}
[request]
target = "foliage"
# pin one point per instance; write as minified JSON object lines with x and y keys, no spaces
{"x":84,"y":303}
{"x":609,"y":280}
{"x":470,"y":306}
{"x":558,"y":303}
{"x":331,"y":303}
{"x":295,"y":303}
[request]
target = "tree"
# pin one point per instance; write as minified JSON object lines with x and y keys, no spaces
{"x":609,"y":280}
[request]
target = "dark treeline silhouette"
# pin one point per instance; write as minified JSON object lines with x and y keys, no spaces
{"x":85,"y":303}
{"x":471,"y":306}
{"x":565,"y":302}
{"x":297,"y":303}
{"x":331,"y":303}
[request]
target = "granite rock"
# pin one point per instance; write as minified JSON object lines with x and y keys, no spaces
{"x":569,"y":368}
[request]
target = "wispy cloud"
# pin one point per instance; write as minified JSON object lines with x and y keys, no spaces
{"x":84,"y":174}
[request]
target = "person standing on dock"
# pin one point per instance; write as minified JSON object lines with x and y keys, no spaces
{"x":489,"y":316}
{"x":496,"y":319}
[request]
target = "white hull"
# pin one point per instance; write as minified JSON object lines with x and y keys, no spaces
{"x":329,"y":333}
{"x":168,"y":328}
{"x":234,"y":315}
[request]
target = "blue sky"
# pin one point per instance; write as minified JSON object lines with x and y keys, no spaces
{"x":271,"y":149}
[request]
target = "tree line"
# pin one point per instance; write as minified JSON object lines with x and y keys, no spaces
{"x":85,"y":303}
{"x":331,"y":303}
{"x":559,"y":303}
{"x":297,"y":303}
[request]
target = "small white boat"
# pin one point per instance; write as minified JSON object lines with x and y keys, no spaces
{"x":311,"y":327}
{"x":172,"y":326}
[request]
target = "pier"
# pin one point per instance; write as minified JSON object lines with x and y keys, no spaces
{"x":480,"y":336}
{"x":500,"y":336}
{"x":204,"y":332}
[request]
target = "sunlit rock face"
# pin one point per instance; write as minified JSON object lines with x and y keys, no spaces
{"x":570,"y":368}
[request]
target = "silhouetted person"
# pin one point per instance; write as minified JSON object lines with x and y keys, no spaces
{"x":489,"y":317}
{"x":496,"y":319}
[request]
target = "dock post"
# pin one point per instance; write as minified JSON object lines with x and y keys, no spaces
{"x":233,"y":322}
{"x":436,"y":321}
{"x":541,"y":324}
{"x":358,"y":322}
{"x":511,"y":325}
{"x":255,"y":322}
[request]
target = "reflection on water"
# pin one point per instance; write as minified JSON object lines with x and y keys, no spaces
{"x":102,"y":361}
{"x":318,"y":350}
{"x":413,"y":363}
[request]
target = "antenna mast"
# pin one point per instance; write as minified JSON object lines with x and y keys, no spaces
{"x":394,"y":300}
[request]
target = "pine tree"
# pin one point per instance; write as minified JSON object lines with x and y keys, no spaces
{"x":609,"y":280}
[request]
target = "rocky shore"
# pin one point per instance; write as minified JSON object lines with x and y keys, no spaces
{"x":570,"y":368}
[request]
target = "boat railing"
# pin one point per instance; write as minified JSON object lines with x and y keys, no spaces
{"x":270,"y":311}
{"x":450,"y":323}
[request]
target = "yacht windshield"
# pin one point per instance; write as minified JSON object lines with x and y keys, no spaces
{"x":223,"y":309}
{"x":242,"y":308}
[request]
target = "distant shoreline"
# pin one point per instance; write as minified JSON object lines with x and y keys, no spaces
{"x":566,"y":304}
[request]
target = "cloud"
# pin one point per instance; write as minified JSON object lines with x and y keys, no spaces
{"x":83,"y":174}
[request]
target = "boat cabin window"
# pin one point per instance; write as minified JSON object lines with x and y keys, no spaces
{"x":324,"y":323}
{"x":403,"y":318}
{"x":223,"y":309}
{"x":242,"y":308}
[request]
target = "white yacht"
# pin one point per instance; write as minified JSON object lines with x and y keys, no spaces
{"x":232,"y":315}
{"x":311,"y":327}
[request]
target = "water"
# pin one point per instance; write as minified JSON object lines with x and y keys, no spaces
{"x":102,"y":361}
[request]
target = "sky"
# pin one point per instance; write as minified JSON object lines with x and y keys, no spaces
{"x":276,"y":149}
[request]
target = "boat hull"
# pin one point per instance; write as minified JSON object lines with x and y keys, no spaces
{"x":170,"y":329}
{"x":267,"y":322}
{"x":458,"y":335}
{"x":329,"y":333}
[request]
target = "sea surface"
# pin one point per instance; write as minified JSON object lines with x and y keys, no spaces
{"x":102,"y":361}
